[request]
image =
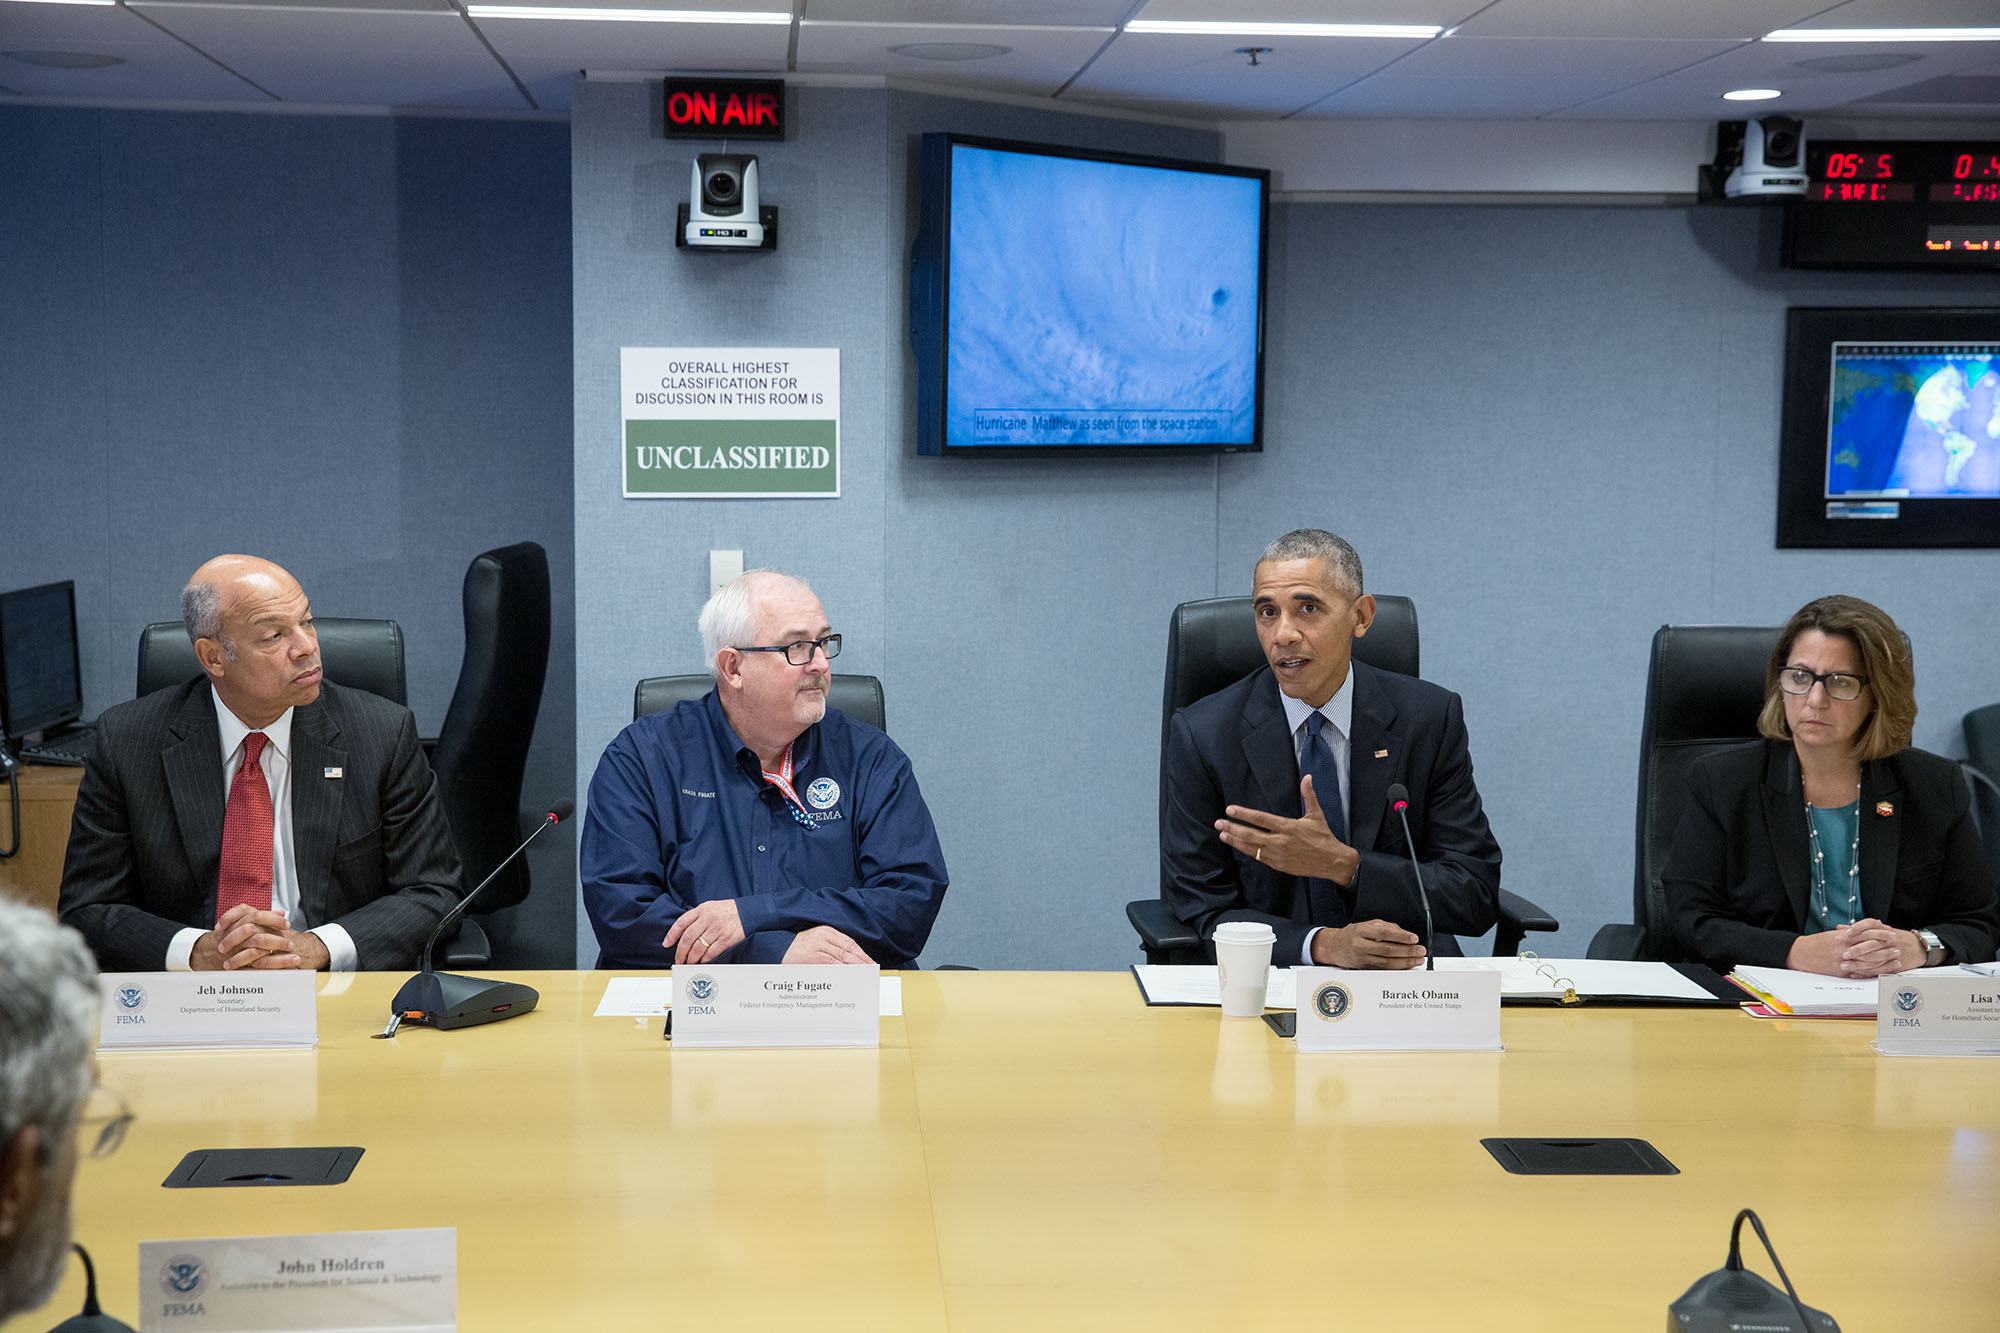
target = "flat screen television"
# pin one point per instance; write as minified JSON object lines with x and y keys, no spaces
{"x":1065,"y":301}
{"x":1891,"y":431}
{"x":41,"y":671}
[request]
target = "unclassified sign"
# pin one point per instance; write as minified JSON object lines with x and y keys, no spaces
{"x":720,"y":423}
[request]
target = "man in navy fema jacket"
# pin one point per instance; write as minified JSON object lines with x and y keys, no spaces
{"x":755,"y":824}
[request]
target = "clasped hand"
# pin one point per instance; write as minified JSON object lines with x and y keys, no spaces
{"x":1302,"y":846}
{"x":1865,"y":948}
{"x":246,"y":936}
{"x":706,"y":930}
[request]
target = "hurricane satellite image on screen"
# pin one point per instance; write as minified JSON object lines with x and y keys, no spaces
{"x":1096,"y":303}
{"x":1914,"y":420}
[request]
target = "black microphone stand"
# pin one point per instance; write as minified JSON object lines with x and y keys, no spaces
{"x":447,"y":1000}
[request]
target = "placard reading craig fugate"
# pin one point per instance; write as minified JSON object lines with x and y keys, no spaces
{"x":800,"y":1004}
{"x":730,"y":423}
{"x":245,"y":1010}
{"x":378,"y":1281}
{"x":1923,"y":1013}
{"x":1420,"y":1010}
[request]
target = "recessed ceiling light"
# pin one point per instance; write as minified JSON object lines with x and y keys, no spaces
{"x":1884,"y":35}
{"x":1865,"y":62}
{"x":1253,"y":28}
{"x":1752,"y":95}
{"x":65,"y":59}
{"x":626,"y":15}
{"x":950,"y":50}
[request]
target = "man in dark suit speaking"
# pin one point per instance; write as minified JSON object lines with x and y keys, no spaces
{"x":256,"y":816}
{"x":1277,"y":786}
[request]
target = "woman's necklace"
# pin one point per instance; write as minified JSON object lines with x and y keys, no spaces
{"x":1853,"y":862}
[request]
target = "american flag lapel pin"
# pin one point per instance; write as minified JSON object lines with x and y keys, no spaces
{"x":1381,"y":754}
{"x":1884,"y":809}
{"x":332,"y":773}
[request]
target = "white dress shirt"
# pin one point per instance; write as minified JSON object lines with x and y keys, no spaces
{"x":276,"y":762}
{"x":1339,"y":714}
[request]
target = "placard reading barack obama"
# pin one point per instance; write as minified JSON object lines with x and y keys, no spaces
{"x":778,"y":1004}
{"x":1341,"y":1010}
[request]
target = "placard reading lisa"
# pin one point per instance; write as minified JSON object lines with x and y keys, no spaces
{"x":725,"y":109}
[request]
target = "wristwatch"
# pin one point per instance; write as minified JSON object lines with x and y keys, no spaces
{"x":1933,"y":947}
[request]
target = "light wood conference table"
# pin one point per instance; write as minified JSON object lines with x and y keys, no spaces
{"x":1040,"y":1150}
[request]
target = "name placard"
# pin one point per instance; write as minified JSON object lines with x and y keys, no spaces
{"x":777,"y":1005}
{"x":359,"y":1280}
{"x":1925,"y":1014}
{"x":208,"y":1011}
{"x":1342,"y":1010}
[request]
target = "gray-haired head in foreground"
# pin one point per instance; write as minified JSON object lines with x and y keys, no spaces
{"x":1319,"y":544}
{"x":729,"y":620}
{"x":48,"y":1020}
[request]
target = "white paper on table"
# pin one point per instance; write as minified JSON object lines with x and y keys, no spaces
{"x":650,"y":997}
{"x":1809,"y":994}
{"x":1523,"y":979}
{"x":1199,"y":984}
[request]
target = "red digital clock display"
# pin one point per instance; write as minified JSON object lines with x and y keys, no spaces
{"x":1880,"y":192}
{"x":1976,"y":167}
{"x":1860,"y":166}
{"x":1966,"y":192}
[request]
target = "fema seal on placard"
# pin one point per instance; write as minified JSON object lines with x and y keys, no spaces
{"x":183,"y":1275}
{"x":131,"y":998}
{"x":823,"y":794}
{"x":1333,"y":1002}
{"x":1908,"y":999}
{"x":701,"y":988}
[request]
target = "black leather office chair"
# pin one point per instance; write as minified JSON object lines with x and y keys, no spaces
{"x":359,"y":654}
{"x":482,"y":748}
{"x":860,"y":697}
{"x":1213,"y":643}
{"x":1982,"y":770}
{"x":1704,"y":689}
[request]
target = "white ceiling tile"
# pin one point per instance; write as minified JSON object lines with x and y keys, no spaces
{"x":1547,"y":57}
{"x":1689,"y":20}
{"x":1038,"y":59}
{"x":548,"y":47}
{"x":990,"y":13}
{"x":1395,"y":94}
{"x":377,"y":57}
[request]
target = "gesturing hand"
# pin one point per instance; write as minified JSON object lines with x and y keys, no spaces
{"x":1302,"y":846}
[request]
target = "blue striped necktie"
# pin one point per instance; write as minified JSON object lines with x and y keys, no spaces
{"x":1323,"y":895}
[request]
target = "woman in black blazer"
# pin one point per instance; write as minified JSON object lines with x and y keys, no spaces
{"x":1833,"y":846}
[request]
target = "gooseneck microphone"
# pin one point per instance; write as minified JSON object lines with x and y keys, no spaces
{"x":447,"y":1000}
{"x":1399,"y":801}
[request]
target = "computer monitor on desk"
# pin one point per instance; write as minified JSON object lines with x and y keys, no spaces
{"x":41,"y":677}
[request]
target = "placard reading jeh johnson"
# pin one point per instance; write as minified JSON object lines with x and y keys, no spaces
{"x":719,"y":423}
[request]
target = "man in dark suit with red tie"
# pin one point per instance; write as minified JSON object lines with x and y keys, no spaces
{"x":1277,"y":786}
{"x":257,"y":816}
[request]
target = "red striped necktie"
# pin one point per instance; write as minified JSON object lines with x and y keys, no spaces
{"x":246,"y":835}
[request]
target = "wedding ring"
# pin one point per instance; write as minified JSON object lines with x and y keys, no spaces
{"x":1260,"y":853}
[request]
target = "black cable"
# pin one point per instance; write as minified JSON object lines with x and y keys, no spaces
{"x":11,"y":770}
{"x":1736,"y":1260}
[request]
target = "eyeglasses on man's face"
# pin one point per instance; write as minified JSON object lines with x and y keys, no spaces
{"x":800,"y":651}
{"x":101,"y":1127}
{"x":1839,"y":685}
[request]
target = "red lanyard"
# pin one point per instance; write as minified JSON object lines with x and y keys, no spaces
{"x":782,"y":779}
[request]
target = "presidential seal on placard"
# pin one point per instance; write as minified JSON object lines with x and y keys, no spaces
{"x":823,"y":794}
{"x":1908,"y":999}
{"x":701,"y":988}
{"x":1333,"y":1001}
{"x":183,"y":1275}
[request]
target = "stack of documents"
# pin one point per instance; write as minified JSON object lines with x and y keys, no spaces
{"x":1782,"y":991}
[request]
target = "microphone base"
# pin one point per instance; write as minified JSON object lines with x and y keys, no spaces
{"x":446,"y":1000}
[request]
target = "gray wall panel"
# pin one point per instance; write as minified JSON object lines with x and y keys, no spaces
{"x":338,"y":341}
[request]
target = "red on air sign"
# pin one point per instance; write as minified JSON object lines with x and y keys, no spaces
{"x":725,"y":109}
